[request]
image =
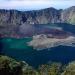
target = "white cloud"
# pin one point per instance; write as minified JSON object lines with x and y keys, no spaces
{"x":35,"y":4}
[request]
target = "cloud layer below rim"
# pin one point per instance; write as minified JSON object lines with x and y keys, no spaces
{"x":35,"y":4}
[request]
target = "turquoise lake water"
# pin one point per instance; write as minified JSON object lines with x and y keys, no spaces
{"x":18,"y":49}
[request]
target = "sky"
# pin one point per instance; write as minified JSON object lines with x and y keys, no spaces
{"x":35,"y":4}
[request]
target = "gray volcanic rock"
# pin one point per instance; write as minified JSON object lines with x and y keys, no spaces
{"x":44,"y":16}
{"x":42,"y":41}
{"x":11,"y":20}
{"x":68,"y":15}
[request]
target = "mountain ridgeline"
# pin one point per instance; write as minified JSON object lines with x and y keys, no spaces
{"x":44,"y":16}
{"x":12,"y":20}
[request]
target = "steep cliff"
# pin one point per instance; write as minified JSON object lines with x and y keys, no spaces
{"x":12,"y":20}
{"x":68,"y":15}
{"x":44,"y":16}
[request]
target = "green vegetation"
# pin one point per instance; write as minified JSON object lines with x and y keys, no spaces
{"x":9,"y":66}
{"x":70,"y":69}
{"x":71,"y":19}
{"x":51,"y":69}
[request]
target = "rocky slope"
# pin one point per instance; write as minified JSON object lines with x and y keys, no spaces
{"x":44,"y":16}
{"x":12,"y":20}
{"x":42,"y":41}
{"x":68,"y":15}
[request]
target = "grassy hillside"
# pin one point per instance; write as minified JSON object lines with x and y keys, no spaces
{"x":9,"y":66}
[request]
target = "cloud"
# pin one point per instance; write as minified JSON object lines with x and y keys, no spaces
{"x":35,"y":4}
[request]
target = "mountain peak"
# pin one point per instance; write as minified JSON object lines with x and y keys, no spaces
{"x":45,"y":16}
{"x":71,"y":8}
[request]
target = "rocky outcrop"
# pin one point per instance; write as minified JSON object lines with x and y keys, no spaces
{"x":42,"y":41}
{"x":68,"y":15}
{"x":14,"y":17}
{"x":44,"y":16}
{"x":13,"y":21}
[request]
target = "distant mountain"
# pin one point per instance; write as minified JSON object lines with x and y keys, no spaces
{"x":11,"y":20}
{"x":68,"y":15}
{"x":44,"y":16}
